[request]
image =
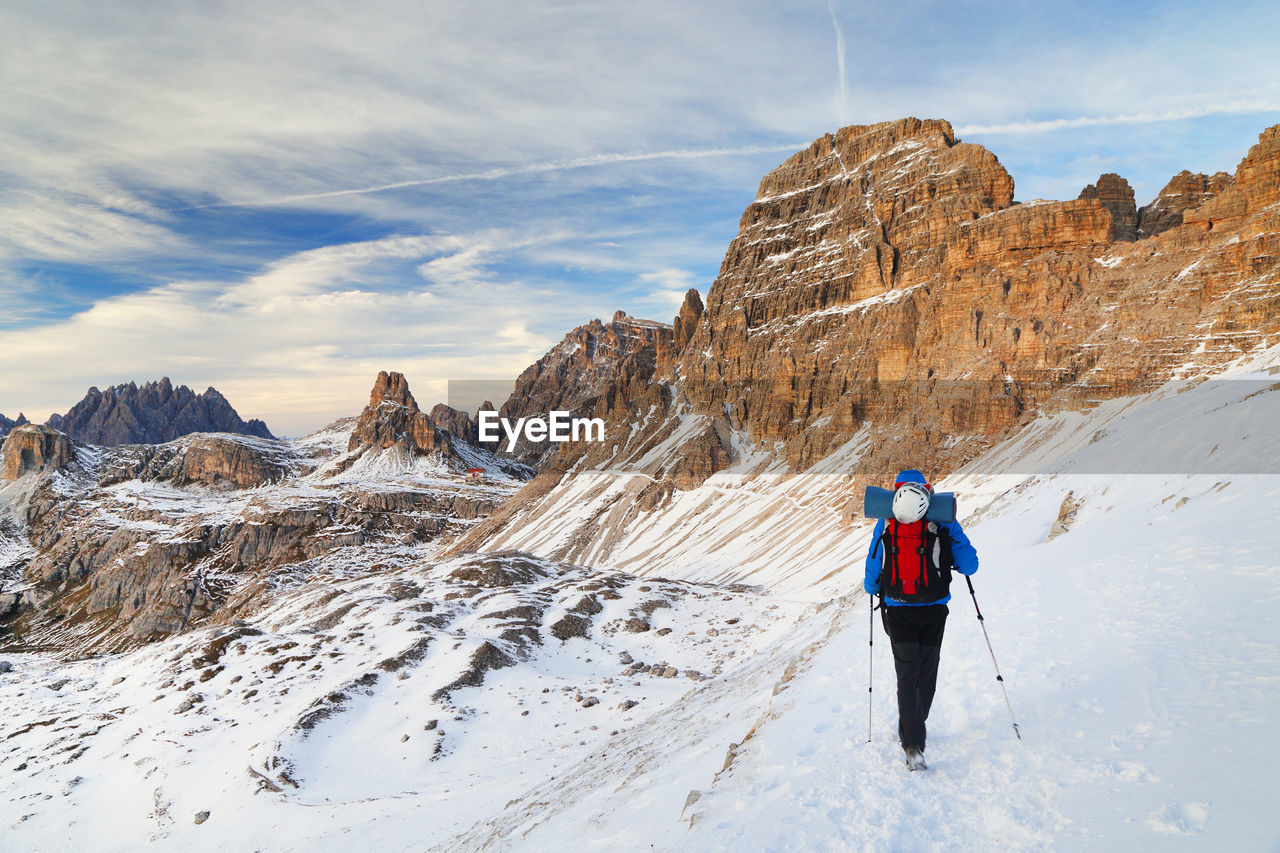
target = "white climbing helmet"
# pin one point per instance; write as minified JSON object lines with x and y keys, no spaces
{"x":910,"y":502}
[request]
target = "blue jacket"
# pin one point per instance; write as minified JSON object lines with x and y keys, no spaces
{"x":962,"y":551}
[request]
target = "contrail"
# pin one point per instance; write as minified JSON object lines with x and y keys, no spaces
{"x":1229,"y":108}
{"x":528,"y":169}
{"x":840,"y":67}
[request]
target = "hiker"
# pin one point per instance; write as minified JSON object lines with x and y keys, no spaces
{"x":909,"y":566}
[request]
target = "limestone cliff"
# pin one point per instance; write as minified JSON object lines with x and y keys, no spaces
{"x":31,"y":447}
{"x":1185,"y":191}
{"x":587,"y":370}
{"x":393,"y":418}
{"x":885,"y":288}
{"x":884,"y":278}
{"x":135,"y":542}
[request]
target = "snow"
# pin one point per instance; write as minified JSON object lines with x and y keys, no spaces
{"x":1139,"y":647}
{"x":1139,"y":652}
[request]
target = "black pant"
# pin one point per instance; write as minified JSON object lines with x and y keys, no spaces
{"x":916,"y":636}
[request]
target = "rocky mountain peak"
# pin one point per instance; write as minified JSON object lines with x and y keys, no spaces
{"x":684,"y":323}
{"x":392,"y":418}
{"x":33,"y":447}
{"x":1115,"y":194}
{"x":1254,"y":188}
{"x":153,"y":413}
{"x":884,"y":279}
{"x":575,"y":371}
{"x":454,"y":421}
{"x":7,"y":425}
{"x":1185,"y":191}
{"x":392,"y":388}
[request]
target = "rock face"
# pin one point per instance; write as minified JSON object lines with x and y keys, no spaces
{"x":132,"y":543}
{"x":6,"y":425}
{"x":684,"y":323}
{"x":1185,"y":191}
{"x":589,"y":371}
{"x":214,"y":460}
{"x":582,"y":366}
{"x":884,"y":279}
{"x":682,"y":327}
{"x":113,"y":565}
{"x":455,"y":422}
{"x":34,"y":448}
{"x":884,"y":287}
{"x":1115,"y":194}
{"x":151,"y":414}
{"x":393,"y":418}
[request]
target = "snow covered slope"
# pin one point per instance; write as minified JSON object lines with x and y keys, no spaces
{"x":1133,"y":616}
{"x":404,"y":708}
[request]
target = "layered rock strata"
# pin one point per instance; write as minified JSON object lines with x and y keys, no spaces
{"x":884,"y":289}
{"x":1185,"y":191}
{"x":1116,"y":196}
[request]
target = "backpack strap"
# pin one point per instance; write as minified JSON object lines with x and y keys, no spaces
{"x":875,"y":549}
{"x":922,"y":550}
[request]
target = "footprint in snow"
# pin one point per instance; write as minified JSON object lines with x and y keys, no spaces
{"x":1129,"y":771}
{"x":1179,"y":818}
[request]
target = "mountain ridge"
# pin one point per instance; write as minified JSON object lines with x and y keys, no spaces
{"x":152,"y":413}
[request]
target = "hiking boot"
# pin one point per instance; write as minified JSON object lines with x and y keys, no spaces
{"x":915,"y":760}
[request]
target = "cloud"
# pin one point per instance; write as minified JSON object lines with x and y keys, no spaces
{"x":299,"y":343}
{"x":527,"y":169}
{"x":73,"y":228}
{"x":841,"y":74}
{"x":1242,"y":107}
{"x":665,"y":289}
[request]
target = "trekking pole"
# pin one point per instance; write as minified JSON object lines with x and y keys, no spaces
{"x":999,"y":677}
{"x":871,"y":661}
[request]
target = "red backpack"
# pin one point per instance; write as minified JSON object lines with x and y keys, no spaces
{"x":917,"y":562}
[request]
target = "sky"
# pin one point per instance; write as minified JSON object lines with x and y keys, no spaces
{"x":282,"y":199}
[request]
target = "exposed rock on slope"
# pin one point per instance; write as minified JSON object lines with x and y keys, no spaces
{"x":455,"y":422}
{"x":132,"y":543}
{"x":883,"y":279}
{"x":442,"y":676}
{"x":682,"y":327}
{"x":34,"y":448}
{"x":393,"y":422}
{"x":152,"y":414}
{"x":884,"y":290}
{"x":584,"y":372}
{"x":393,"y":418}
{"x":1114,"y":193}
{"x":1185,"y":191}
{"x":212,"y":459}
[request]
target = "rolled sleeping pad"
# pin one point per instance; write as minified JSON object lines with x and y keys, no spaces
{"x":878,"y":503}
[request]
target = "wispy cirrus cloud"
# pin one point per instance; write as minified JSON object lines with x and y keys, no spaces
{"x":300,"y":341}
{"x":1261,"y":106}
{"x":526,"y":169}
{"x":287,"y":199}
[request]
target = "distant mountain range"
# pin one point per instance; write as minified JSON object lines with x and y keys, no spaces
{"x":6,"y":425}
{"x":151,"y":414}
